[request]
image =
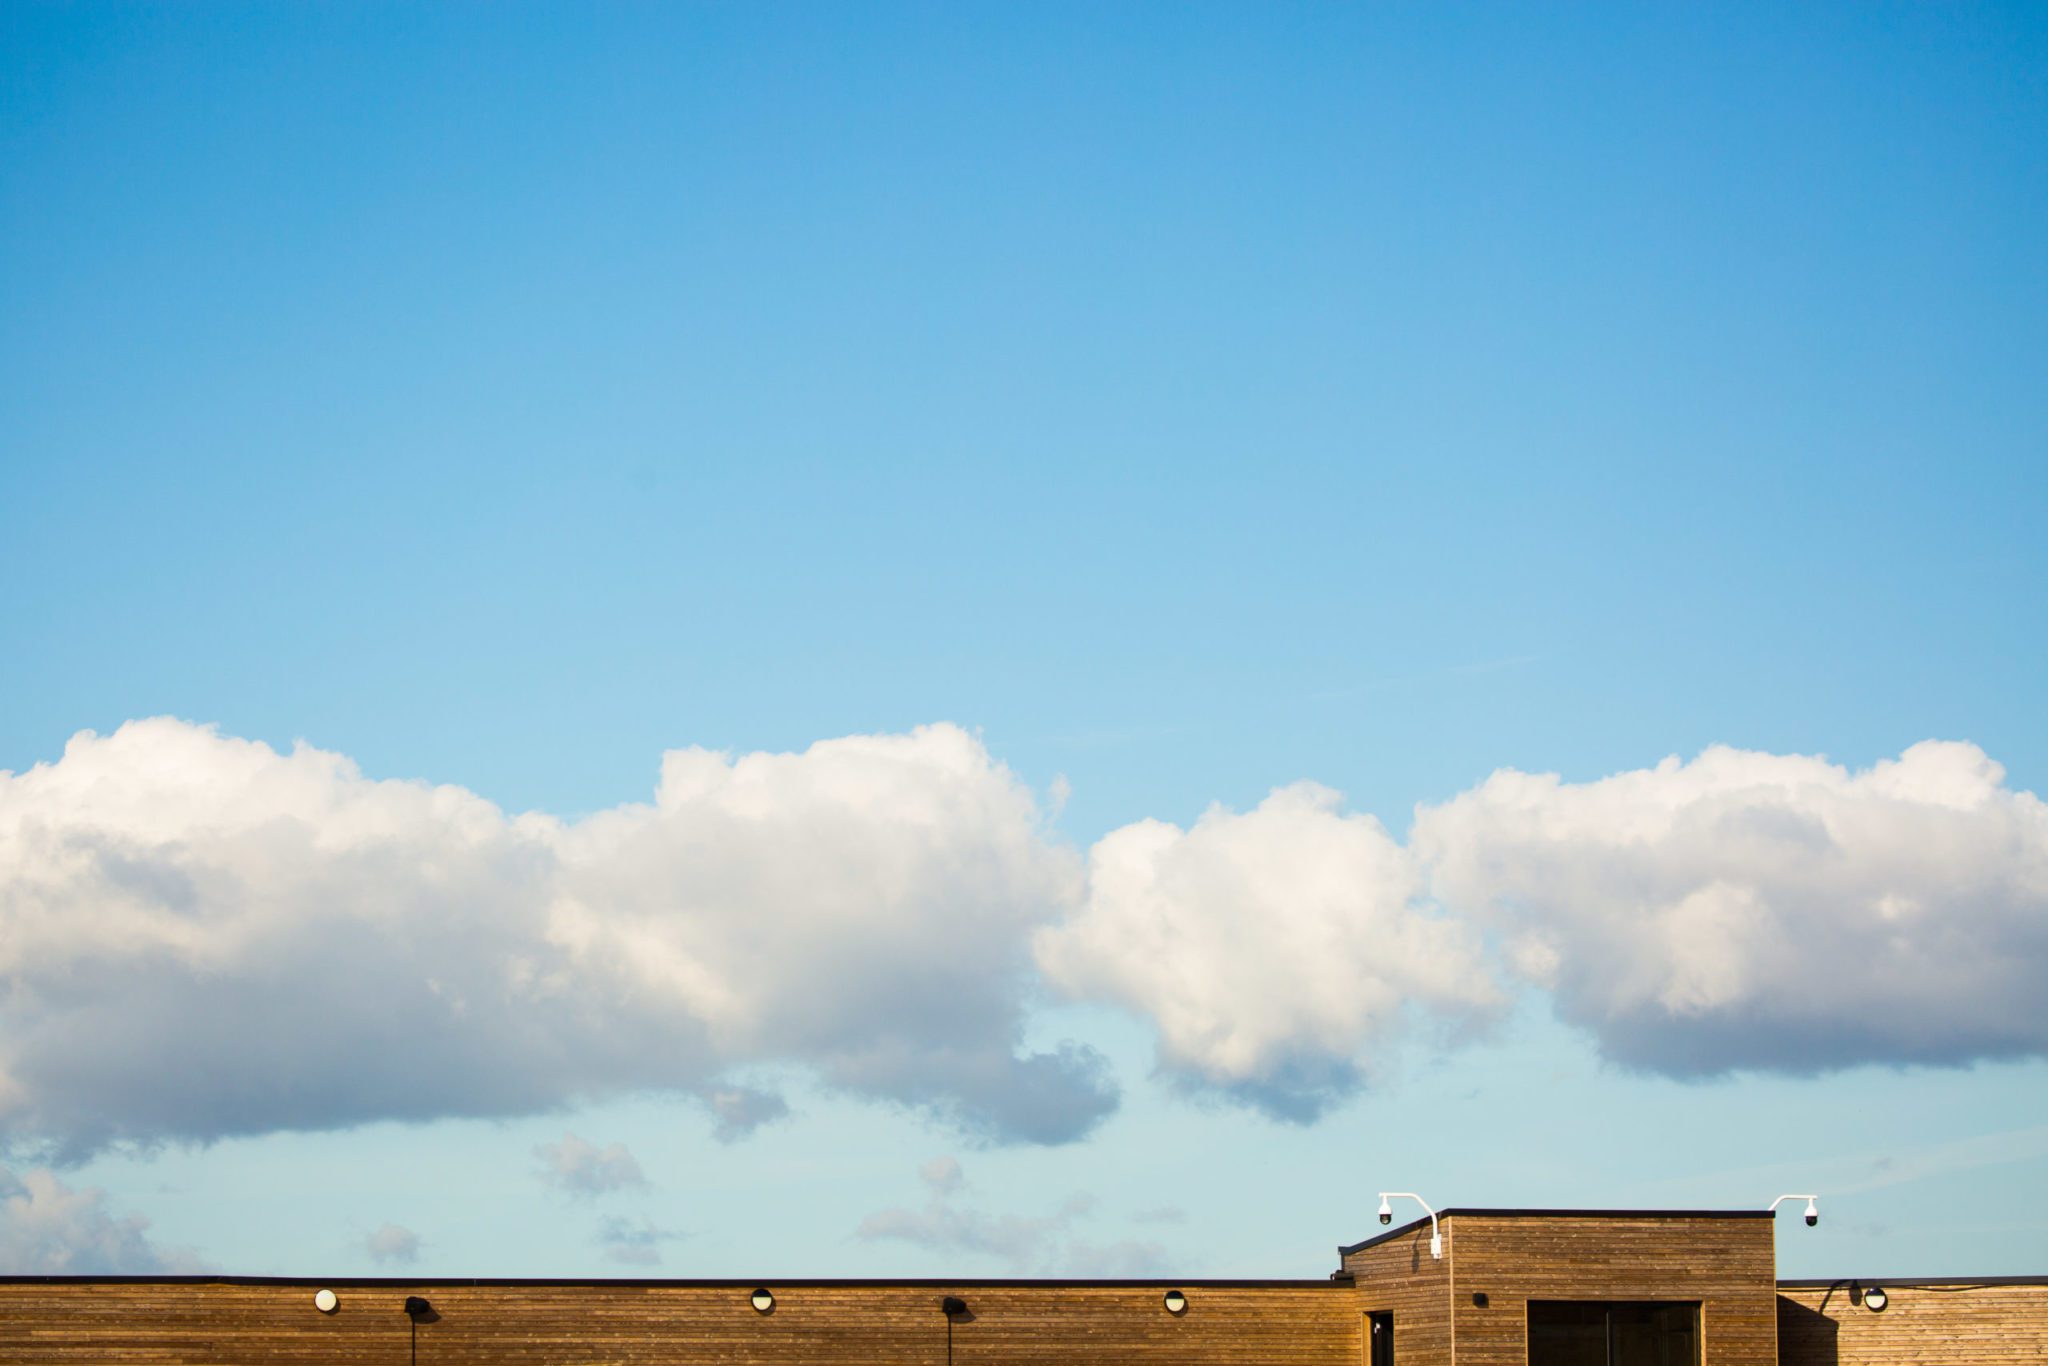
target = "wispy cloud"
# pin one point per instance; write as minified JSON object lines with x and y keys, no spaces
{"x":1043,"y":1242}
{"x":741,"y":1109}
{"x":1845,"y":1174}
{"x":49,"y":1228}
{"x":580,"y":1167}
{"x":634,"y":1242}
{"x":1160,"y":1214}
{"x":393,"y":1243}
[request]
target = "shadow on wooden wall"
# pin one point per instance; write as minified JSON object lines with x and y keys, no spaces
{"x":1806,"y":1337}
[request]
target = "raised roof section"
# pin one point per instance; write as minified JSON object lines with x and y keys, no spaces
{"x":1402,"y":1230}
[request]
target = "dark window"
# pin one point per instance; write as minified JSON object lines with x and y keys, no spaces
{"x":1613,"y":1333}
{"x":1380,"y":1328}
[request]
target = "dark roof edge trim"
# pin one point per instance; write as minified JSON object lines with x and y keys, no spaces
{"x":1908,"y":1282}
{"x":1346,"y":1249}
{"x":1160,"y":1283}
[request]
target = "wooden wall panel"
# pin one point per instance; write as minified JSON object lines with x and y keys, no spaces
{"x":1399,"y":1276}
{"x":219,"y":1324}
{"x":1924,"y":1324}
{"x":1725,"y":1264}
{"x":1728,"y":1265}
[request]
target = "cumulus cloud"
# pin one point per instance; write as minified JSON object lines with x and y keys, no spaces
{"x":1045,"y":1243}
{"x":393,"y":1243}
{"x":200,"y":936}
{"x":49,"y":1228}
{"x":1750,"y":910}
{"x":1277,"y":951}
{"x":580,"y":1167}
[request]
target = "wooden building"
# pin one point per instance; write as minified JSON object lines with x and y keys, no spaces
{"x":555,"y":1323}
{"x":1951,"y":1321}
{"x":1573,"y":1288}
{"x":1528,"y":1287}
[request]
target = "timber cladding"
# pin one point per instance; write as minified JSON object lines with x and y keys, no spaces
{"x":1955,"y":1323}
{"x":223,"y":1323}
{"x":1397,"y":1275}
{"x":1727,"y":1265}
{"x":1471,"y":1308}
{"x":1724,"y":1263}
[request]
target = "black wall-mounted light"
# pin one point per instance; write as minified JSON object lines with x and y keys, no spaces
{"x":763,"y":1300}
{"x":952,"y":1306}
{"x":416,"y":1307}
{"x":1176,"y":1303}
{"x":1874,"y":1298}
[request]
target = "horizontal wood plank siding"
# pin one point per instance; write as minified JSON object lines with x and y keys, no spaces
{"x":1400,"y":1277}
{"x":1995,"y":1325}
{"x":1723,"y":1264}
{"x":240,"y":1325}
{"x":1727,"y":1265}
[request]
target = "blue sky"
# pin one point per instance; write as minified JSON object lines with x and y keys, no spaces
{"x":1186,"y":402}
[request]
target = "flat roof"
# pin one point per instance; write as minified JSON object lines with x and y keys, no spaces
{"x":1345,"y":1250}
{"x":721,"y":1283}
{"x":1912,"y":1282}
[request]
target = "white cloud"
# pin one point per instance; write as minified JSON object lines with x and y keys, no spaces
{"x":1750,"y":910}
{"x":1277,"y":950}
{"x":200,"y":936}
{"x":581,"y":1167}
{"x":864,"y":906}
{"x":393,"y":1243}
{"x":49,"y":1228}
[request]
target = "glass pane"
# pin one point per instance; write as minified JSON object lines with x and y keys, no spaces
{"x":1612,"y":1333}
{"x":1567,"y":1334}
{"x":1652,"y":1334}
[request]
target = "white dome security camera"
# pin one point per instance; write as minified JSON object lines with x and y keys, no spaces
{"x":1812,"y":1207}
{"x":1436,"y":1239}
